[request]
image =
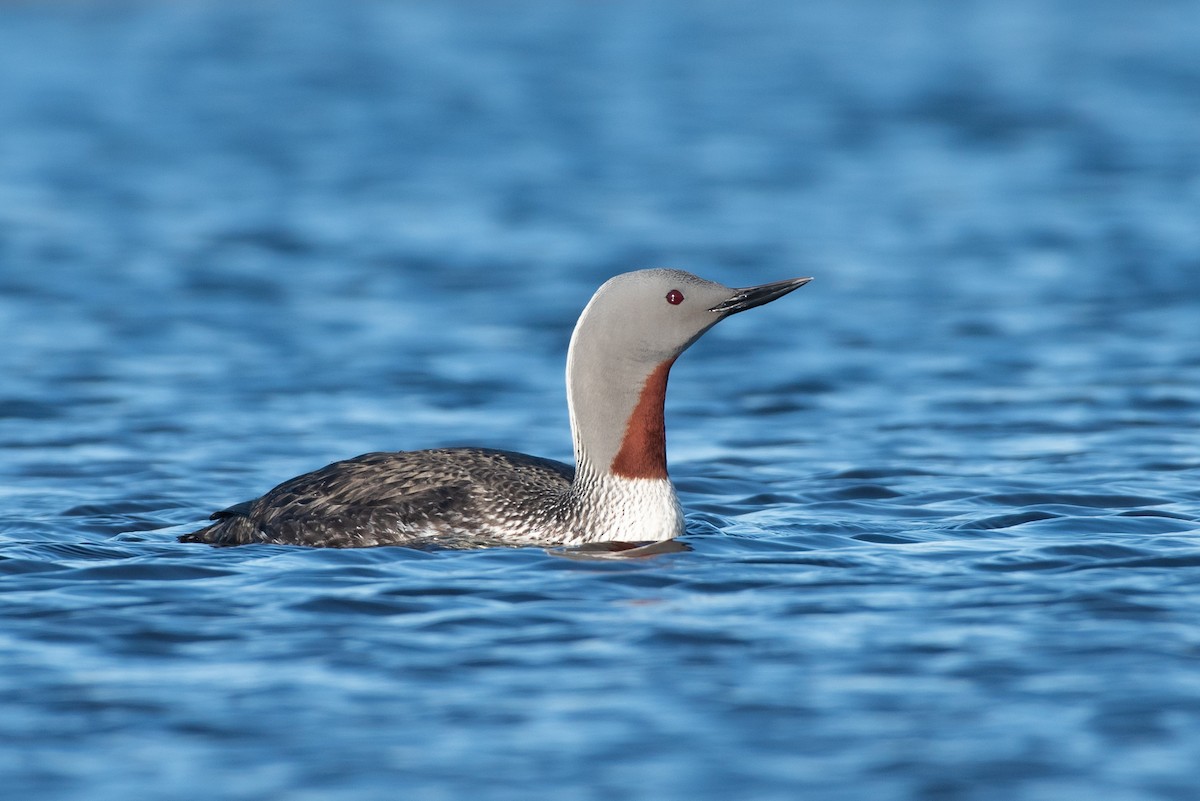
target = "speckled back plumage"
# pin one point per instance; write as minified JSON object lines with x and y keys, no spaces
{"x":448,"y":495}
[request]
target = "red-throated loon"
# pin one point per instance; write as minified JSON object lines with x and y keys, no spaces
{"x":624,"y":344}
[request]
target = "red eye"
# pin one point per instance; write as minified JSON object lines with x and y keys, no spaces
{"x":674,"y":297}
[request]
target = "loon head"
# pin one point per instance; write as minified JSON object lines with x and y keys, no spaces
{"x":621,"y":352}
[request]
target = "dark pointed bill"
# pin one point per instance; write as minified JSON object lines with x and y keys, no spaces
{"x":752,"y":296}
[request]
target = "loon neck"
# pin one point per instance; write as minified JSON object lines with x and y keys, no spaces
{"x":616,"y":410}
{"x":621,"y":489}
{"x":643,"y":451}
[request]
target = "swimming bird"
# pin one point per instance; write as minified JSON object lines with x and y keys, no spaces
{"x":628,"y":336}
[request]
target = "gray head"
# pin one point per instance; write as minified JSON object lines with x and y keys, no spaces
{"x":635,"y":326}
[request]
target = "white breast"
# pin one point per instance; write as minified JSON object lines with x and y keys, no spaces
{"x":630,"y":510}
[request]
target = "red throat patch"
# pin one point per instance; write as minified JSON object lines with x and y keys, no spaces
{"x":643,"y":451}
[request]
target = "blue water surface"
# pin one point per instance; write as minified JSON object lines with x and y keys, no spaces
{"x":943,"y":503}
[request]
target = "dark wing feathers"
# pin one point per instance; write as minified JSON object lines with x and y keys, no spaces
{"x":237,"y":510}
{"x":385,"y":498}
